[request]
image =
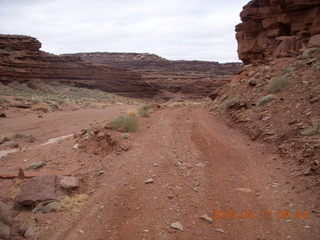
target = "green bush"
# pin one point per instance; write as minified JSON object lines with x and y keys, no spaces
{"x":277,"y":84}
{"x":312,"y":130}
{"x":128,"y":122}
{"x":266,"y":99}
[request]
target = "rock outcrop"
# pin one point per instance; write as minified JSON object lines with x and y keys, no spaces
{"x":277,"y":28}
{"x":192,"y":78}
{"x":22,"y":61}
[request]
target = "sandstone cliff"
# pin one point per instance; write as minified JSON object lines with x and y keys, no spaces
{"x":277,"y":28}
{"x":21,"y":61}
{"x":192,"y":78}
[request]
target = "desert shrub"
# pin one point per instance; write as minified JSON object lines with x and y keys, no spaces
{"x":27,"y":138}
{"x":144,"y":111}
{"x":43,"y":109}
{"x":2,"y":101}
{"x":132,"y":113}
{"x":277,"y":84}
{"x":266,"y":99}
{"x":125,"y":135}
{"x":128,"y":122}
{"x":314,"y":129}
{"x":35,"y":101}
{"x":288,"y":70}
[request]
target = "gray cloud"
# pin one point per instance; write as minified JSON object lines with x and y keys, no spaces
{"x":175,"y":29}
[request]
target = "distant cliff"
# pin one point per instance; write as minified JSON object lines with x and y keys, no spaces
{"x":193,"y":78}
{"x":21,"y":61}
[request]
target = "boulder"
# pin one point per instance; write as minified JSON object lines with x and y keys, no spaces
{"x":36,"y":190}
{"x":5,"y":221}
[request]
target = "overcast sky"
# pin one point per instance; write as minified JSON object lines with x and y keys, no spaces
{"x":174,"y":29}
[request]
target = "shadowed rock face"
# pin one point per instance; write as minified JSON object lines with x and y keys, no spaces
{"x":21,"y":61}
{"x":277,"y":28}
{"x":193,"y":78}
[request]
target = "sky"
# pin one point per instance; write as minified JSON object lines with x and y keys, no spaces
{"x":174,"y":29}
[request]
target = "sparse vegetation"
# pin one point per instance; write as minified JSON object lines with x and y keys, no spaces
{"x":129,"y":123}
{"x":277,"y":84}
{"x":314,"y":129}
{"x":266,"y":99}
{"x":51,"y":95}
{"x":132,"y":113}
{"x":125,"y":136}
{"x":144,"y":111}
{"x":42,"y":109}
{"x":2,"y":101}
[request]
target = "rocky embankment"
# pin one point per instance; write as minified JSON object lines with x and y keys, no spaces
{"x":276,"y":97}
{"x":192,"y":78}
{"x":22,"y":61}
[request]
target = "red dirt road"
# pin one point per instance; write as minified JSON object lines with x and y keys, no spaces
{"x":198,"y":165}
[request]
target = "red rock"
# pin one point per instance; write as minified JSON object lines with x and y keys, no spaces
{"x":21,"y":61}
{"x":193,"y":78}
{"x":69,"y":183}
{"x":36,"y":190}
{"x":314,"y":41}
{"x":276,"y":28}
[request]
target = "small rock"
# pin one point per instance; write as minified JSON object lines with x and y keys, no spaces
{"x":76,"y":146}
{"x":3,"y":115}
{"x":51,"y":207}
{"x":171,"y":196}
{"x":4,"y":231}
{"x":315,"y":99}
{"x":81,"y":231}
{"x":206,"y":218}
{"x":40,"y":116}
{"x":307,"y":227}
{"x":252,"y":82}
{"x":246,"y":190}
{"x":36,"y":165}
{"x":69,"y":183}
{"x":9,"y":144}
{"x":29,"y":231}
{"x":150,"y":180}
{"x":219,"y":230}
{"x":177,"y":226}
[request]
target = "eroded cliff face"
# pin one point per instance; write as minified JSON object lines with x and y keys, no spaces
{"x":192,"y":78}
{"x":277,"y":28}
{"x":276,"y":98}
{"x":21,"y":61}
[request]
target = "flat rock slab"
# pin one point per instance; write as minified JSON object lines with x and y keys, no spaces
{"x":37,"y":189}
{"x":69,"y":183}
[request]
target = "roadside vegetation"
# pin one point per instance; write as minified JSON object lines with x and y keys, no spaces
{"x":125,"y":123}
{"x":43,"y":97}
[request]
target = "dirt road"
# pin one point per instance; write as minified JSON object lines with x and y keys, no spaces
{"x":198,"y":166}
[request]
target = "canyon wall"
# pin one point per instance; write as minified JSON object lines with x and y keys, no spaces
{"x":192,"y":78}
{"x":21,"y":61}
{"x":277,"y":28}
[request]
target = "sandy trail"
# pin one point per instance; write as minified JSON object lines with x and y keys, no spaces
{"x":198,"y":165}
